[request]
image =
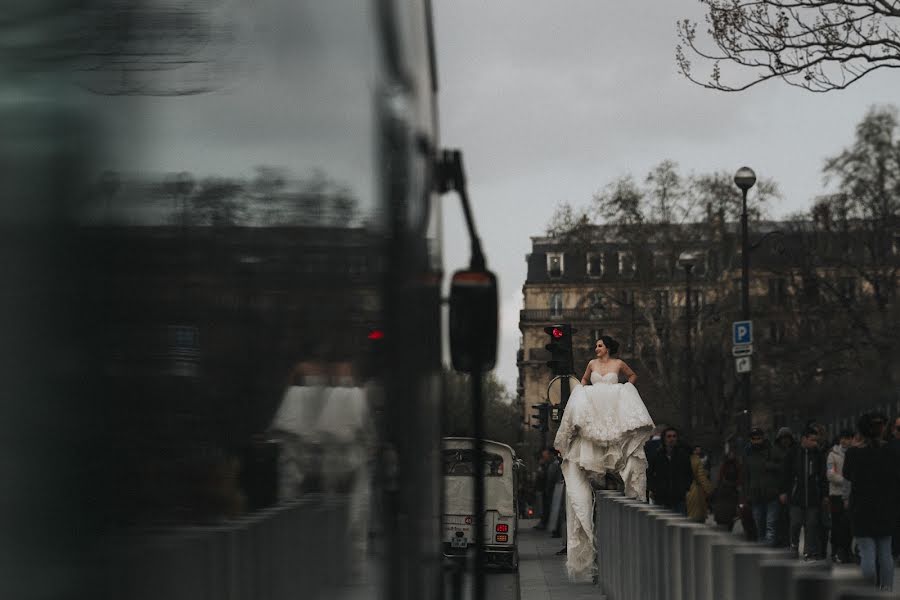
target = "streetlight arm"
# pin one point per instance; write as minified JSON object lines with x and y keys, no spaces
{"x":759,"y":242}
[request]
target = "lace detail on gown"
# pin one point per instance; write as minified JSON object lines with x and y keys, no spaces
{"x":603,"y":429}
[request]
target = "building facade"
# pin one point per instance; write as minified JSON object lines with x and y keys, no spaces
{"x":633,"y":284}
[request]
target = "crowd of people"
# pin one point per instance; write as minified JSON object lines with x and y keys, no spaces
{"x":843,"y":495}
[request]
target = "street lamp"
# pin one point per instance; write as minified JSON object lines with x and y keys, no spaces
{"x":687,"y":261}
{"x":745,"y":178}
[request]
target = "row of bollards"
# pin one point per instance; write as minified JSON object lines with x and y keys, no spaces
{"x":294,"y":550}
{"x":646,"y":552}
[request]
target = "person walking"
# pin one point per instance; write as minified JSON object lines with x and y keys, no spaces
{"x":541,"y":487}
{"x":803,"y":489}
{"x":894,"y":443}
{"x":783,"y":447}
{"x":839,"y":499}
{"x":697,"y":499}
{"x":873,"y":470}
{"x":761,"y":478}
{"x":670,"y":473}
{"x":728,"y":490}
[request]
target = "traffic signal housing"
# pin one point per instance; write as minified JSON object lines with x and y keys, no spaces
{"x":560,"y":348}
{"x":542,"y":416}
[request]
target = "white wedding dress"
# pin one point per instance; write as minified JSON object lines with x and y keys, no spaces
{"x":603,"y":429}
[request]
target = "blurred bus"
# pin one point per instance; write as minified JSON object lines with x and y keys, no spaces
{"x":221,"y":303}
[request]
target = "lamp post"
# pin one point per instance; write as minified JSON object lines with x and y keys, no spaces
{"x":745,"y":178}
{"x":687,"y":261}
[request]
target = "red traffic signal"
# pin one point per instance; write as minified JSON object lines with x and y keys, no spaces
{"x":557,"y":332}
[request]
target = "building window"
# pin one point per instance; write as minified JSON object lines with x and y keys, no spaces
{"x":777,"y":291}
{"x":776,"y":331}
{"x":627,"y":266}
{"x":697,"y":299}
{"x":660,"y":264}
{"x":700,"y":266}
{"x":662,"y":300}
{"x":555,"y":264}
{"x":626,"y":297}
{"x":597,"y":305}
{"x":556,"y":304}
{"x":848,"y":288}
{"x":596,"y":264}
{"x":811,"y":290}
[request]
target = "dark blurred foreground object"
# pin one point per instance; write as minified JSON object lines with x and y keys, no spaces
{"x":259,"y":473}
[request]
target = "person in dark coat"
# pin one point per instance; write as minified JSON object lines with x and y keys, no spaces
{"x":651,"y":447}
{"x":540,"y":487}
{"x":804,"y":488}
{"x":670,"y":474}
{"x":873,"y":470}
{"x":762,"y":472}
{"x":783,"y":447}
{"x":894,"y":443}
{"x":728,"y":489}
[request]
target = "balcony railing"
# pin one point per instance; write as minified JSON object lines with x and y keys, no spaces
{"x":566,"y":314}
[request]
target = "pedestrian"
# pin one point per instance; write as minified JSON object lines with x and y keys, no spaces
{"x":554,"y":478}
{"x":825,"y":513}
{"x":651,"y":447}
{"x":670,"y":474}
{"x":894,"y":443}
{"x":761,"y":479}
{"x":728,"y":490}
{"x":839,"y":499}
{"x":783,"y":447}
{"x":697,"y":499}
{"x":873,"y":469}
{"x":803,"y":489}
{"x":541,"y":487}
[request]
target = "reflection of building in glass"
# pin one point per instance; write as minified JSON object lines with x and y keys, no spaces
{"x":208,"y":326}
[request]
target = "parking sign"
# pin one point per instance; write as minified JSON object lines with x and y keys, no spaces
{"x":742,"y":333}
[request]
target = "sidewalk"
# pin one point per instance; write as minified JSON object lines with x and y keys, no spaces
{"x":542,"y":574}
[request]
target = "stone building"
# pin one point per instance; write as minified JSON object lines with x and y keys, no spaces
{"x":630,"y":284}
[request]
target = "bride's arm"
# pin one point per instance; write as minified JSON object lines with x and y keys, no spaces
{"x":632,"y":377}
{"x":586,"y":378}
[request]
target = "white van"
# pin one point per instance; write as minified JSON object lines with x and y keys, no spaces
{"x":500,"y":502}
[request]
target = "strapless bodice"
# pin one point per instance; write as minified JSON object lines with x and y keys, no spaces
{"x":597,"y":378}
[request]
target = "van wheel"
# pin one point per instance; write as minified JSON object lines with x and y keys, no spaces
{"x":513,"y":565}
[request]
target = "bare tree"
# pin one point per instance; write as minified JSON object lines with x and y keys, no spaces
{"x":818,"y":45}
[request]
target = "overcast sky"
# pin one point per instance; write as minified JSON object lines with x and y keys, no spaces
{"x":550,"y":101}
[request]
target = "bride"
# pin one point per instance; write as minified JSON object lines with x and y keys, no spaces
{"x":603,"y":429}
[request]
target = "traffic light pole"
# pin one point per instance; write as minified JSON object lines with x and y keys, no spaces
{"x":478,"y":509}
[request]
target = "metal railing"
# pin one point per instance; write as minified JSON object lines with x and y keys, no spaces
{"x":646,"y":552}
{"x":294,"y":550}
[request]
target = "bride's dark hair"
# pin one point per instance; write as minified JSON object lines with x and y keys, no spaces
{"x":610,"y":343}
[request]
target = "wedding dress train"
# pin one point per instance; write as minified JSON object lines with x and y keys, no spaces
{"x":603,"y":429}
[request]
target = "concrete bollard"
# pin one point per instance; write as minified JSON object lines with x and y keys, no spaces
{"x":701,"y":553}
{"x":865,"y":594}
{"x":824,"y":584}
{"x":723,"y":574}
{"x":746,"y":569}
{"x":649,"y":543}
{"x":777,"y":576}
{"x":686,"y":551}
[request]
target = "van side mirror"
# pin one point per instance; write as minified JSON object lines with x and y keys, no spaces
{"x":473,"y":321}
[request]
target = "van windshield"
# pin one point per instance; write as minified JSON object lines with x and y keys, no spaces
{"x":461,"y":462}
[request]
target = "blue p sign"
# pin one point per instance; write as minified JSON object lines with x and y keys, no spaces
{"x":742,"y":333}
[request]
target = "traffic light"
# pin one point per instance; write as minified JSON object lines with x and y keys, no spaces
{"x":542,"y":416}
{"x":560,"y":348}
